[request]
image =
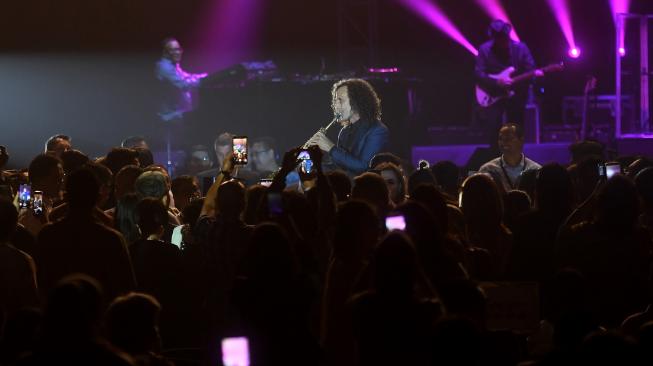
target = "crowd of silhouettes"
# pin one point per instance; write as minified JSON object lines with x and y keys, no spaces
{"x":128,"y":266}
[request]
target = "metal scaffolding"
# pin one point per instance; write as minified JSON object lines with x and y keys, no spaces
{"x":643,"y":126}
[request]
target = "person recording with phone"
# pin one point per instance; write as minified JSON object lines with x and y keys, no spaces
{"x":46,"y":176}
{"x":357,"y":108}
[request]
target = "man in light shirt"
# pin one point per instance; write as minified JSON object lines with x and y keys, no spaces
{"x":507,"y":169}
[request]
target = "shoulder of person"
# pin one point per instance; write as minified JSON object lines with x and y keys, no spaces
{"x":490,"y":165}
{"x":532,"y":164}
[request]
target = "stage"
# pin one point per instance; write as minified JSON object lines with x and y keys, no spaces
{"x":473,"y":155}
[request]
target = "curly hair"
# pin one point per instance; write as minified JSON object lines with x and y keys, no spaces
{"x":362,"y":98}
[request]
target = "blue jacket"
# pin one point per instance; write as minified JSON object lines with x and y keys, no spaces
{"x":357,"y":145}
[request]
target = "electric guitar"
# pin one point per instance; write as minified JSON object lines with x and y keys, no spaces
{"x":486,"y":99}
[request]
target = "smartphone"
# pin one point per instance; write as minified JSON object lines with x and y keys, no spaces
{"x":24,"y":195}
{"x":176,"y":235}
{"x":305,"y":162}
{"x":601,"y":168}
{"x":611,"y":169}
{"x":265,"y":182}
{"x":275,"y":205}
{"x":235,"y":351}
{"x":395,"y":222}
{"x":239,"y":149}
{"x":37,"y":203}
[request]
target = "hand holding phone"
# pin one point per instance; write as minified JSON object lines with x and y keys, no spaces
{"x":239,"y":150}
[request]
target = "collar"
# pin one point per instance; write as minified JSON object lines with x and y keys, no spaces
{"x":522,"y":162}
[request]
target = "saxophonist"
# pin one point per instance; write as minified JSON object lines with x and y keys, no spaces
{"x":362,"y":134}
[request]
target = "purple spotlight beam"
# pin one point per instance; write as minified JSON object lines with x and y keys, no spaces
{"x":434,"y":15}
{"x":495,"y":10}
{"x":620,"y":6}
{"x":560,"y":10}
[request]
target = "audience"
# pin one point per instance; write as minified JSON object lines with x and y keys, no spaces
{"x":613,"y":252}
{"x":57,"y":145}
{"x":482,"y":207}
{"x":392,"y":322}
{"x":311,"y":275}
{"x":17,"y":269}
{"x":78,"y":243}
{"x":131,"y":323}
{"x":71,"y":327}
{"x":448,"y":176}
{"x":394,"y":178}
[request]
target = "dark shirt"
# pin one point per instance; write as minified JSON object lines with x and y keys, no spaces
{"x":492,"y":61}
{"x":82,"y":245}
{"x":17,"y":279}
{"x":157,"y":266}
{"x":357,"y":144}
{"x":616,"y":266}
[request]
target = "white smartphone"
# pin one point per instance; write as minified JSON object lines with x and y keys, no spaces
{"x":176,"y":235}
{"x":235,"y":351}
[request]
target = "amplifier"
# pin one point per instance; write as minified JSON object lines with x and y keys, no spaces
{"x":600,"y":110}
{"x":571,"y":133}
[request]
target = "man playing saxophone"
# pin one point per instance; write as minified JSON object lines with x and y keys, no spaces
{"x":362,"y":135}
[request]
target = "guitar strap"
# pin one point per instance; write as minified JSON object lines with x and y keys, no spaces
{"x":513,"y":55}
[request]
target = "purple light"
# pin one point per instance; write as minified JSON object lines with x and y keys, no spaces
{"x":620,"y":6}
{"x":560,"y":10}
{"x":227,"y":33}
{"x":383,"y":70}
{"x":574,"y":52}
{"x":434,"y":15}
{"x":495,"y":10}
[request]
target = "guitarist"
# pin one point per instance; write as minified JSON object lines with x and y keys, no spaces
{"x":494,"y":56}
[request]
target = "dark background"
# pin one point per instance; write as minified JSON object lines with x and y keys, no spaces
{"x":85,"y":68}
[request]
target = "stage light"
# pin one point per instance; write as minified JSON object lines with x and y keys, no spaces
{"x":574,"y":52}
{"x":560,"y":10}
{"x":436,"y":17}
{"x":620,"y":6}
{"x":227,"y":32}
{"x":495,"y":10}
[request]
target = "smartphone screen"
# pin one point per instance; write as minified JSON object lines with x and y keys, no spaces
{"x":24,"y":195}
{"x":305,"y":162}
{"x":176,"y":235}
{"x":265,"y":182}
{"x":37,"y":203}
{"x":235,"y":351}
{"x":601,"y":168}
{"x":239,"y":148}
{"x":611,"y":169}
{"x":395,"y":222}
